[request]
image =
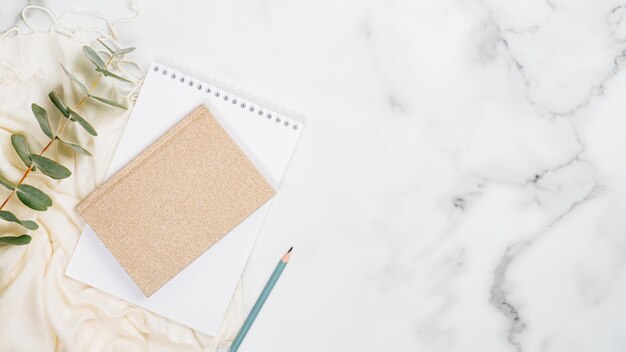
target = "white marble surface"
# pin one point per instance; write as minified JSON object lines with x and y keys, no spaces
{"x":461,"y":183}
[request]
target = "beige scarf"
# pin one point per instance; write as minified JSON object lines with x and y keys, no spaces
{"x":41,"y":308}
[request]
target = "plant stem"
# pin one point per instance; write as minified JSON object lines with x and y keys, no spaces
{"x":67,"y":120}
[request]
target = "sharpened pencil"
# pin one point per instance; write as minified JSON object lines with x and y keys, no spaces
{"x":260,"y":301}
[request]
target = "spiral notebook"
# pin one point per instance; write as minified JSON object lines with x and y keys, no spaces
{"x":199,"y":295}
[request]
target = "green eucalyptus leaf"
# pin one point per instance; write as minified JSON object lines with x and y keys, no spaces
{"x":107,"y":47}
{"x":42,"y":117}
{"x":21,"y":148}
{"x":8,"y":185}
{"x":29,"y":224}
{"x":8,"y":216}
{"x":104,"y":55}
{"x":109,"y":102}
{"x":50,"y":167}
{"x":33,"y":198}
{"x":73,"y":78}
{"x":81,"y":121}
{"x":75,"y":147}
{"x":15,"y":240}
{"x":93,"y":56}
{"x":124,"y":51}
{"x":58,"y":103}
{"x":113,"y":75}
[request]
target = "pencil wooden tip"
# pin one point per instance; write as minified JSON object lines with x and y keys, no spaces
{"x":285,"y":257}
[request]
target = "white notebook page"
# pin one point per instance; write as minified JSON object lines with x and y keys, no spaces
{"x":198,"y":296}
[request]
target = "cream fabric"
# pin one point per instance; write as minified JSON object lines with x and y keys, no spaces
{"x":41,"y":308}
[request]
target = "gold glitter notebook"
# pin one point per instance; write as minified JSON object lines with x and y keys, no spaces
{"x":175,"y":200}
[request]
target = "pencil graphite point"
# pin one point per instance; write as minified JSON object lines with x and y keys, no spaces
{"x":290,"y":249}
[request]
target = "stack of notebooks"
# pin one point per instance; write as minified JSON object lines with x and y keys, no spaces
{"x":186,"y":194}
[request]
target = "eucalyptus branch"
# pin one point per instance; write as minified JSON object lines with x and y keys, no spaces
{"x":29,"y":195}
{"x":53,"y":138}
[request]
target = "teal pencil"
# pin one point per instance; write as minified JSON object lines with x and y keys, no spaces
{"x":260,"y":301}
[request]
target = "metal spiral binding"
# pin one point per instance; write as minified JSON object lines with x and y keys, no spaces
{"x":233,"y":99}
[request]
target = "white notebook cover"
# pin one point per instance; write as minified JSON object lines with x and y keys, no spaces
{"x":198,"y":296}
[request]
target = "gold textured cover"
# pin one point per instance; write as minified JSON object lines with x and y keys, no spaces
{"x":175,"y":200}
